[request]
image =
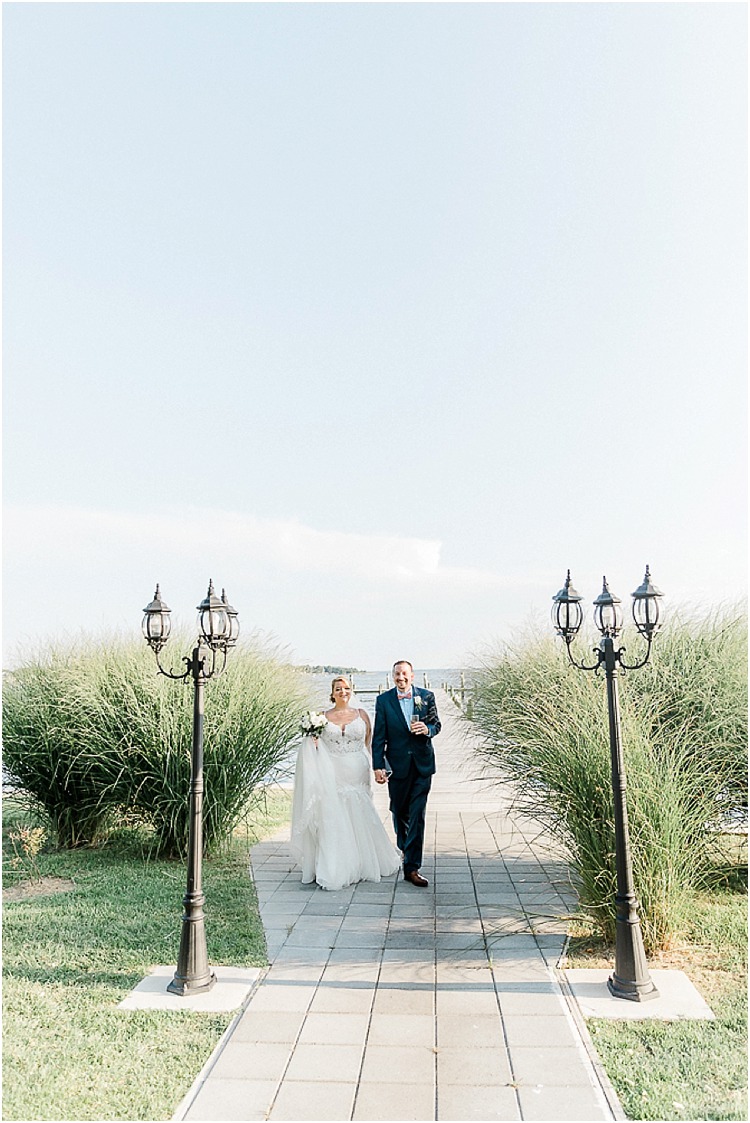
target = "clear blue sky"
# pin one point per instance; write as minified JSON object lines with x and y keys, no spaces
{"x":380,"y":315}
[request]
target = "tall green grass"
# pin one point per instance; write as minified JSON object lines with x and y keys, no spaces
{"x":543,"y":726}
{"x":697,"y":688}
{"x":97,"y":738}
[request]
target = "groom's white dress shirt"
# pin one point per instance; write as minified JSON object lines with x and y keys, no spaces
{"x":407,"y":707}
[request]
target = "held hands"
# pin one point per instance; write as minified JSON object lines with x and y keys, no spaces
{"x":380,"y":775}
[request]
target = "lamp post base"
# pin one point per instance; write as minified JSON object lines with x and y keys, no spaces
{"x":630,"y":978}
{"x":631,"y":989}
{"x":184,"y":987}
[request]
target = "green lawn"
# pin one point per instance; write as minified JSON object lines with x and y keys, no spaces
{"x":685,"y":1070}
{"x":70,"y":957}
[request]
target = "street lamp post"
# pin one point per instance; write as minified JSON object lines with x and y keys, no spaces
{"x":631,"y":978}
{"x":219,"y":628}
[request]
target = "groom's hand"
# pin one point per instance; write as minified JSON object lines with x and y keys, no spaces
{"x":420,"y":728}
{"x":380,"y":775}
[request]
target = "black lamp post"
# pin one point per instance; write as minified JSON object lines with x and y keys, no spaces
{"x":219,"y":628}
{"x":631,"y":978}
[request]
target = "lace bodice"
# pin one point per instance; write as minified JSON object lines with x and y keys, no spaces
{"x":349,"y":739}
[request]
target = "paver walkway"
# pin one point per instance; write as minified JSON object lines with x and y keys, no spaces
{"x":386,"y":1001}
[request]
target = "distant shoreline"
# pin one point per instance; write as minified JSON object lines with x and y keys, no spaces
{"x":326,"y":670}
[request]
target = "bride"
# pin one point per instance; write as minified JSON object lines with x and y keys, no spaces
{"x":337,"y":836}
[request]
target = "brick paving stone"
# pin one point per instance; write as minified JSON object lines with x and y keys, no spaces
{"x":296,"y":955}
{"x":468,"y":923}
{"x":294,"y":970}
{"x":407,"y":940}
{"x":415,"y":908}
{"x":459,"y":941}
{"x":343,"y":999}
{"x":408,"y":955}
{"x":460,"y":1000}
{"x":582,"y":1105}
{"x":515,"y":959}
{"x":310,"y":1100}
{"x":483,"y":1067}
{"x":401,"y":1029}
{"x":461,"y":910}
{"x":513,"y":941}
{"x":310,"y":937}
{"x":354,"y":955}
{"x":402,"y":1064}
{"x":389,"y":1101}
{"x":266,"y":1061}
{"x":407,"y":974}
{"x":281,"y":998}
{"x":534,"y":1031}
{"x":352,"y":967}
{"x":404,"y":1000}
{"x":473,"y":975}
{"x":335,"y":1028}
{"x":551,"y":1067}
{"x":268,"y":1026}
{"x":231,"y":1100}
{"x":356,"y":909}
{"x":541,"y":1005}
{"x":468,"y":1102}
{"x":366,"y":938}
{"x":470,"y":1030}
{"x":453,"y":897}
{"x":325,"y":1062}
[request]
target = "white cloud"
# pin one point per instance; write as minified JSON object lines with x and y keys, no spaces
{"x":331,"y":595}
{"x":100,"y":538}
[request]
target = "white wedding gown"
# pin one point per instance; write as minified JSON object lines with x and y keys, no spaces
{"x":337,"y":836}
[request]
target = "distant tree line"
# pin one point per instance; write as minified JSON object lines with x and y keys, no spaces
{"x":319,"y":670}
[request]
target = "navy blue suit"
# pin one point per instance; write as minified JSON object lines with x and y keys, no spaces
{"x":410,"y":759}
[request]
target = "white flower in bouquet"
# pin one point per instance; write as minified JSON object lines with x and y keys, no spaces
{"x":313,"y":723}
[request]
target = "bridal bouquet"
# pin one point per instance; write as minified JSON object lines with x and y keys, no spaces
{"x":312,"y":723}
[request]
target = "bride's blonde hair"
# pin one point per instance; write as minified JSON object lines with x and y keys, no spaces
{"x":339,"y":678}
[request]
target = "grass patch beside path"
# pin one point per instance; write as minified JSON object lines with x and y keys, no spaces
{"x":684,"y":1070}
{"x":70,"y":957}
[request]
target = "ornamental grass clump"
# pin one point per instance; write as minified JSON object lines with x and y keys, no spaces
{"x":47,"y":721}
{"x":543,"y":726}
{"x":95,"y":737}
{"x":699,"y":683}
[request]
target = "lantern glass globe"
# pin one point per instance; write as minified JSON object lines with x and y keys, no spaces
{"x":157,"y":623}
{"x":567,"y":614}
{"x":607,"y":612}
{"x":646,"y":610}
{"x":213,"y":620}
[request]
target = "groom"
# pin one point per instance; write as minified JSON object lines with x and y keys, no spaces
{"x":406,"y":720}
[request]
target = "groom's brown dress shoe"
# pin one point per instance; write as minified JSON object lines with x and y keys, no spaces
{"x":415,"y":877}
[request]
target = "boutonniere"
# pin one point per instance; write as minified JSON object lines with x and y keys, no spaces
{"x":418,"y":701}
